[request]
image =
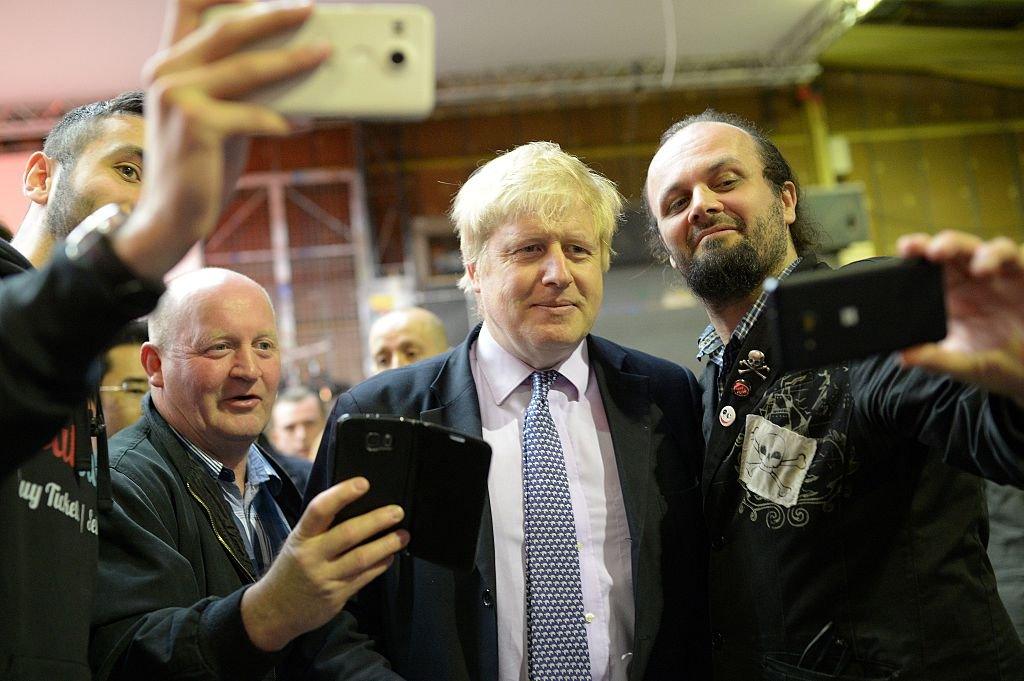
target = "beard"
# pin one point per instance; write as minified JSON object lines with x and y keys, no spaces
{"x":725,"y":274}
{"x":65,"y":210}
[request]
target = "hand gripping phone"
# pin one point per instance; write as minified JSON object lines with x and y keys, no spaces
{"x":438,"y":475}
{"x":381,"y":67}
{"x":828,"y":316}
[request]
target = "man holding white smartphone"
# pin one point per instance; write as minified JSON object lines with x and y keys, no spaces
{"x":58,"y":319}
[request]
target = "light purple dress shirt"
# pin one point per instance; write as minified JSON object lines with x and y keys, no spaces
{"x":503,"y":392}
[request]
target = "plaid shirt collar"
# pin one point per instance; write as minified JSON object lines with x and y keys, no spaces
{"x":710,"y":344}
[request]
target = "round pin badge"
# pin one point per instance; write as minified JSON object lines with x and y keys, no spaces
{"x":727,"y":416}
{"x":740,"y":388}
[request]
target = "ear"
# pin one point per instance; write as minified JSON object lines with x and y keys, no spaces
{"x":38,"y":180}
{"x":149,"y":355}
{"x":788,"y":196}
{"x":471,"y":268}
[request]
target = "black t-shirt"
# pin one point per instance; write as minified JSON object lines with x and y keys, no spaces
{"x":48,"y":531}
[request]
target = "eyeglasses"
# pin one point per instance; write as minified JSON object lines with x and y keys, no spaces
{"x":134,"y":386}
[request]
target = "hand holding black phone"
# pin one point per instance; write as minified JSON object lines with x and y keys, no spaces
{"x":828,"y":316}
{"x":437,"y":475}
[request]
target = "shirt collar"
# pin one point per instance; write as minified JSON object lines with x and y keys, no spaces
{"x":258,"y":469}
{"x":710,"y":344}
{"x":505,"y":372}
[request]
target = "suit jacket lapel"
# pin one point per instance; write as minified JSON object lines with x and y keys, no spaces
{"x":457,"y":407}
{"x":627,"y":404}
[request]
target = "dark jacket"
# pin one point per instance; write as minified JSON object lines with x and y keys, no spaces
{"x":173,"y":569}
{"x":434,"y":624}
{"x":884,"y":549}
{"x":297,"y":469}
{"x":54,"y":322}
{"x":1006,"y":547}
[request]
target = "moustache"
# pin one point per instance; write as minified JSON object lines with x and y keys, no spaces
{"x":699,"y":229}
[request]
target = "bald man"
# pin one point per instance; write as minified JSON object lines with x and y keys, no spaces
{"x":188,"y":577}
{"x":405,"y":336}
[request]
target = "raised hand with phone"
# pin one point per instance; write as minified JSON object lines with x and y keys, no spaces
{"x":984,"y":282}
{"x":209,"y":609}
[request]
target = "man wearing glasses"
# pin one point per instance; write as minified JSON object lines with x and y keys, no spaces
{"x":124,"y":382}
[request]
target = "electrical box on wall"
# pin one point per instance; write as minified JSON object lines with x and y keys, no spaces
{"x":840,"y":212}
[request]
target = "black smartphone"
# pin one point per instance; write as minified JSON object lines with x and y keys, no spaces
{"x":438,"y":475}
{"x":824,"y":317}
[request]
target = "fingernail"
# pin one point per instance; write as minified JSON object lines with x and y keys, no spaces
{"x":396,"y":512}
{"x":360,"y":484}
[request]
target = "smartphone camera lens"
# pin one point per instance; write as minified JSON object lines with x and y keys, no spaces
{"x":397,"y":57}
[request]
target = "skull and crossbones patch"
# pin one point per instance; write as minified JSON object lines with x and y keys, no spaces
{"x":774,"y":460}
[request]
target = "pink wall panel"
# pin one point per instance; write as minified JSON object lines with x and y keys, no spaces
{"x":12,"y":204}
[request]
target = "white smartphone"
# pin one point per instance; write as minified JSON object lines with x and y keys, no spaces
{"x":382,"y":66}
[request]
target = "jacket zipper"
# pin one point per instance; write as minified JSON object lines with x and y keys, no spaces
{"x":209,"y":516}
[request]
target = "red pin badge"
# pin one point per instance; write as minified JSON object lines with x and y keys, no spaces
{"x":740,"y":388}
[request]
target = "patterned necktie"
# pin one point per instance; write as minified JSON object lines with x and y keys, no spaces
{"x":555,"y":633}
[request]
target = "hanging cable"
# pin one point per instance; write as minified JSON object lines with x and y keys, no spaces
{"x":668,"y":16}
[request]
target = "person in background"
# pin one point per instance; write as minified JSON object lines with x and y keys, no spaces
{"x":297,"y":423}
{"x":124,"y":382}
{"x":405,"y":336}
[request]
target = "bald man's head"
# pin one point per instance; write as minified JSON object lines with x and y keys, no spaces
{"x":182,"y":294}
{"x":213,"y":361}
{"x":406,"y":336}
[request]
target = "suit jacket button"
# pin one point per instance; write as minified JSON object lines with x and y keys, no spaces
{"x":717,"y":640}
{"x":718,"y":543}
{"x":488,"y":598}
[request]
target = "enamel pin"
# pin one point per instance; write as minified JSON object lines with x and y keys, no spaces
{"x":740,"y":388}
{"x":754,"y":363}
{"x":727,"y":416}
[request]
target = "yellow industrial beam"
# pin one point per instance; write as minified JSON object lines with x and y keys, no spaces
{"x":979,"y":55}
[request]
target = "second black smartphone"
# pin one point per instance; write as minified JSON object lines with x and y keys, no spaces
{"x":437,"y":475}
{"x":828,"y":316}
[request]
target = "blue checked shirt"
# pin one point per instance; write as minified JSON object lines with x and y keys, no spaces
{"x":711,"y":346}
{"x":256,"y":514}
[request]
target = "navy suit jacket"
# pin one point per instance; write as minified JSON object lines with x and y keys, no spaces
{"x":438,"y":625}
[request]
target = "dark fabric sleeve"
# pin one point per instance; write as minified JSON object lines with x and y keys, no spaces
{"x":364,"y":610}
{"x":335,"y":652}
{"x":151,"y":617}
{"x":55,"y":322}
{"x":320,"y":478}
{"x":969,"y":428}
{"x":353,"y":633}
